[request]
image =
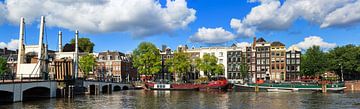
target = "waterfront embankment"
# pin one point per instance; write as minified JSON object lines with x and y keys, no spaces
{"x":353,"y":85}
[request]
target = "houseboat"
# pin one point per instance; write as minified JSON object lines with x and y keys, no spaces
{"x":218,"y":83}
{"x":290,"y":87}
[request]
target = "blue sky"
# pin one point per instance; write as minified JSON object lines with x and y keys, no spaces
{"x":123,"y":27}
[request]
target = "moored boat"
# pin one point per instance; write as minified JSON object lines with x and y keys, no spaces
{"x":334,"y":87}
{"x":217,"y":83}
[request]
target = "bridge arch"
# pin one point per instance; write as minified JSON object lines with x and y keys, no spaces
{"x":107,"y":88}
{"x":125,"y":88}
{"x":117,"y":87}
{"x":6,"y":97}
{"x":36,"y":93}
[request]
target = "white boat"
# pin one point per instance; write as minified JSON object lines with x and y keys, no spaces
{"x":279,"y":90}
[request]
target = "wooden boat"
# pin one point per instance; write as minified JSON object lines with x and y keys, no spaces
{"x":335,"y":87}
{"x":217,"y":83}
{"x":182,"y":86}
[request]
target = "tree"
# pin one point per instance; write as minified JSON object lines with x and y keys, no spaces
{"x":313,"y":62}
{"x":87,"y":63}
{"x":146,"y":58}
{"x":244,"y":68}
{"x":3,"y":66}
{"x":218,"y":69}
{"x":179,"y":64}
{"x":84,"y":44}
{"x":347,"y":57}
{"x":208,"y":64}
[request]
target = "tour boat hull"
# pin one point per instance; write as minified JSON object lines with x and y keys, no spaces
{"x":290,"y":87}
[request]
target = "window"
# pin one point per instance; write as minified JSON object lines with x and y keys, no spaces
{"x":287,"y":55}
{"x":220,"y":60}
{"x":221,"y":54}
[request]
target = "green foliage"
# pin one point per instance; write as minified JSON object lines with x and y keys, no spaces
{"x":84,"y":44}
{"x":146,"y":58}
{"x":218,"y":69}
{"x":244,"y":68}
{"x":202,"y":80}
{"x":209,"y":65}
{"x":3,"y":66}
{"x":179,"y":64}
{"x":313,"y":62}
{"x":87,"y":63}
{"x":346,"y":56}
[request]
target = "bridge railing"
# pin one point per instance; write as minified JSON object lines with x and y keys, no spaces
{"x":106,"y":79}
{"x":11,"y":78}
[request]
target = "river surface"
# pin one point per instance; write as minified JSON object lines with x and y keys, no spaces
{"x":141,"y":99}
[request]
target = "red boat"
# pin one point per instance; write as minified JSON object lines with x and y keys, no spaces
{"x":217,"y":83}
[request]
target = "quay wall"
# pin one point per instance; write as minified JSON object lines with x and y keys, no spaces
{"x":353,"y":85}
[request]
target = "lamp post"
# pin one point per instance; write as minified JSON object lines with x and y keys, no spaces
{"x":342,"y":74}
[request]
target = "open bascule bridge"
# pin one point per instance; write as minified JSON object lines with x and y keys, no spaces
{"x":44,"y":75}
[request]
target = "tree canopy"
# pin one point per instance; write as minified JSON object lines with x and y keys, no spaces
{"x":244,"y":68}
{"x":208,"y":64}
{"x":313,"y":62}
{"x":147,"y":59}
{"x":347,"y":57}
{"x":84,"y":44}
{"x":87,"y":63}
{"x":3,"y":66}
{"x":179,"y":64}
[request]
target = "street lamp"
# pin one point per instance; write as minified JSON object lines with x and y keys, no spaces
{"x":342,"y":74}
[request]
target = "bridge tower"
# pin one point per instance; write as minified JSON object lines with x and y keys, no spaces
{"x":31,"y":58}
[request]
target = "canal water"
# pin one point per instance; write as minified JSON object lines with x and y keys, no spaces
{"x":141,"y":99}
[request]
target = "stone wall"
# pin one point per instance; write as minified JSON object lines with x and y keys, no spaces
{"x":352,"y":85}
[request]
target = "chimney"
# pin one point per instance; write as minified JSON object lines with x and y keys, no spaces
{"x":60,"y":41}
{"x":5,"y":50}
{"x":254,"y":43}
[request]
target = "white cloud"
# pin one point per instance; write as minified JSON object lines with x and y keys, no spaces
{"x":139,"y":17}
{"x":347,"y":15}
{"x":314,"y":40}
{"x":12,"y":45}
{"x":274,"y":15}
{"x":2,"y":12}
{"x":212,"y":35}
{"x":243,"y":44}
{"x":241,"y":29}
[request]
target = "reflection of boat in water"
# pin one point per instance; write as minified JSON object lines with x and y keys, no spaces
{"x":218,"y":83}
{"x":266,"y":87}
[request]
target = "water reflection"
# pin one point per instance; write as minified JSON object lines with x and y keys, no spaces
{"x":141,"y":99}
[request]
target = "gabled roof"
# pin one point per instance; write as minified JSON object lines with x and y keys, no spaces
{"x":233,"y":45}
{"x":277,"y":43}
{"x":261,"y":40}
